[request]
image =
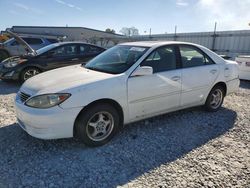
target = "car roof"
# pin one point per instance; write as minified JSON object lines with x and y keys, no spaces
{"x":77,"y":42}
{"x":155,"y":43}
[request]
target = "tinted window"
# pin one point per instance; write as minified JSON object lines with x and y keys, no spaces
{"x":65,"y":50}
{"x":162,"y":59}
{"x":94,"y":49}
{"x":82,"y":49}
{"x":52,"y":40}
{"x":33,"y":40}
{"x":191,"y":57}
{"x":14,"y":43}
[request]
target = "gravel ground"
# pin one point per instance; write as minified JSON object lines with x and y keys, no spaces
{"x":188,"y":148}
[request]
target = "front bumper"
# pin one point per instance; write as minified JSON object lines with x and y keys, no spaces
{"x":8,"y":74}
{"x":51,"y":123}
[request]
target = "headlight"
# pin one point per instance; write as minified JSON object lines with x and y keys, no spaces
{"x":47,"y":100}
{"x":13,"y":61}
{"x":11,"y":64}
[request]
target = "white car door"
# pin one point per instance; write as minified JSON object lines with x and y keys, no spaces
{"x":199,"y":73}
{"x":159,"y":92}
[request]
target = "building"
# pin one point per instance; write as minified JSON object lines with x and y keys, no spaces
{"x":230,"y":43}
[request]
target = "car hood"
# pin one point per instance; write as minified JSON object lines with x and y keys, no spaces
{"x":22,"y":42}
{"x":62,"y":80}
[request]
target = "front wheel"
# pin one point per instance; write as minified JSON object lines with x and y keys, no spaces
{"x":28,"y":73}
{"x":215,"y":99}
{"x":97,"y":125}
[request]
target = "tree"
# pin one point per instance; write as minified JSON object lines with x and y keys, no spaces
{"x":129,"y":31}
{"x":108,"y":30}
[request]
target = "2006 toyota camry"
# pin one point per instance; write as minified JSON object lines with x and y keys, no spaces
{"x":127,"y":83}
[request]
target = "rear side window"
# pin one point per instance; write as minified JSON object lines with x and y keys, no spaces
{"x":33,"y":41}
{"x":83,"y":49}
{"x":94,"y":49}
{"x":162,"y":59}
{"x":191,"y":57}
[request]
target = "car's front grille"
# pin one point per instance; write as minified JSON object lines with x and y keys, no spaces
{"x":23,"y":96}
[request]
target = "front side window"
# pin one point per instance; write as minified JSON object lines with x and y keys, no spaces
{"x":162,"y":59}
{"x":117,"y":59}
{"x":191,"y":57}
{"x":68,"y":50}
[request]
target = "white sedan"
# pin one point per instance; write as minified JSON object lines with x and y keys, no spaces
{"x":127,"y":83}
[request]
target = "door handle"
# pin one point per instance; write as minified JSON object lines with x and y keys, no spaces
{"x":176,"y":78}
{"x":75,"y":59}
{"x":213,"y":71}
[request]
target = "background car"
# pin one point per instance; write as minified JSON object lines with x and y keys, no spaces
{"x":244,"y":67}
{"x":50,"y":57}
{"x":12,"y":47}
{"x":126,"y":83}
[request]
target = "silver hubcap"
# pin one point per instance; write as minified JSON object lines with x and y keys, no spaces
{"x":100,"y":126}
{"x":217,"y":97}
{"x":29,"y":73}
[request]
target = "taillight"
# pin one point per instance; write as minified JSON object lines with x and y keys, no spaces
{"x":248,"y":64}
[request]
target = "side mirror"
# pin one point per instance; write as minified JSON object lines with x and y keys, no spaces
{"x":143,"y":71}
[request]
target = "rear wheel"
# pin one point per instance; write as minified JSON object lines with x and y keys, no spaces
{"x":28,"y":73}
{"x":3,"y":55}
{"x":97,"y":125}
{"x":215,"y":99}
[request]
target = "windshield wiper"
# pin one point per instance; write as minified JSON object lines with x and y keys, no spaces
{"x":93,"y":68}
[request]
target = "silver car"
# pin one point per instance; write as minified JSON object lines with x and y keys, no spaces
{"x":13,"y":46}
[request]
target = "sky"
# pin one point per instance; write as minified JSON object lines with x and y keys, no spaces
{"x":160,"y":15}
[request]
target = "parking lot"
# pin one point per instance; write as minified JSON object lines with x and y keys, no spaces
{"x":188,"y":148}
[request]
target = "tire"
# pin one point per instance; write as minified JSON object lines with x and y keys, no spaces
{"x":215,"y":99}
{"x":97,"y":125}
{"x":28,"y":73}
{"x":3,"y":55}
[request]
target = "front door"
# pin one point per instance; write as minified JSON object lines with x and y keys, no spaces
{"x":63,"y":56}
{"x":159,"y":92}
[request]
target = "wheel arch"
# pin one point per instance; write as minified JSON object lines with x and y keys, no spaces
{"x":27,"y":67}
{"x":112,"y":102}
{"x":223,"y":85}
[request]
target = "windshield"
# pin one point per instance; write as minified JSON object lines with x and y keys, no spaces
{"x":47,"y":48}
{"x":117,"y":59}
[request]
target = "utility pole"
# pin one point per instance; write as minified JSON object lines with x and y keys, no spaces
{"x":150,"y":33}
{"x":214,"y":36}
{"x":175,"y":31}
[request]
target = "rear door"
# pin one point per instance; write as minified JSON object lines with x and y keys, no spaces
{"x":199,"y":73}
